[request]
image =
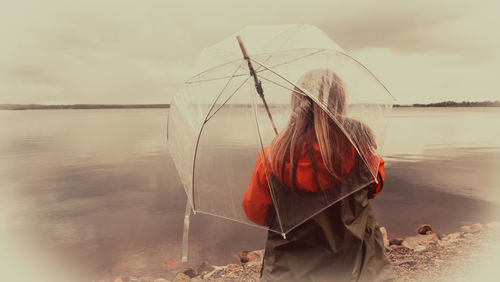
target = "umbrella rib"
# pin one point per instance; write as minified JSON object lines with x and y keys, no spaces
{"x":201,"y":130}
{"x":282,"y":86}
{"x":225,"y":102}
{"x":232,"y":94}
{"x":296,"y":59}
{"x":189,"y":81}
{"x":265,"y":159}
{"x":212,"y":68}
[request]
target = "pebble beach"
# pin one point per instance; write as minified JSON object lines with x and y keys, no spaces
{"x":466,"y":255}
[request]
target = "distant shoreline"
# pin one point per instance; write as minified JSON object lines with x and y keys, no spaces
{"x":81,"y":106}
{"x":166,"y":106}
{"x":454,"y":104}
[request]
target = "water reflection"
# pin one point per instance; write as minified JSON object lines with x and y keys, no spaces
{"x":94,"y":193}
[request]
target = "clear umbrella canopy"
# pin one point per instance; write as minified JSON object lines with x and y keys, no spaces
{"x":218,"y":125}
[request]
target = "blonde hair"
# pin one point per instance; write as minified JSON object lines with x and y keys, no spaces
{"x":309,"y":123}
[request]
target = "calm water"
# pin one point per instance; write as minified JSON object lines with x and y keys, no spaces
{"x":87,"y":194}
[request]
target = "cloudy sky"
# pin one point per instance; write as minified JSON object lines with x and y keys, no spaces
{"x":65,"y":52}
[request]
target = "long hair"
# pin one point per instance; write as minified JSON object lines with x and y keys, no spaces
{"x":310,"y":123}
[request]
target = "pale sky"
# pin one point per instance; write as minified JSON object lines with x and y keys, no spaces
{"x":124,"y":52}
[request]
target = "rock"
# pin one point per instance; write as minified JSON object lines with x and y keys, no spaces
{"x":254,"y":263}
{"x":425,"y":229}
{"x":444,"y":243}
{"x":147,"y":279}
{"x":181,"y":277}
{"x":395,"y":247}
{"x":474,"y":228}
{"x":403,"y":261}
{"x":397,"y":241}
{"x":190,"y":272}
{"x":233,"y":266}
{"x":122,"y":279}
{"x":161,"y":280}
{"x":205,"y":268}
{"x":384,"y":236}
{"x":419,"y":249}
{"x":413,"y":241}
{"x":452,"y":237}
{"x":493,"y":225}
{"x":246,"y":256}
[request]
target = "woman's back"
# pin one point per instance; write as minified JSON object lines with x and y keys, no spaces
{"x":313,"y":183}
{"x":342,"y":243}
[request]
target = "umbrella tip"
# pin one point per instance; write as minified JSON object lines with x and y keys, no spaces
{"x":242,"y":47}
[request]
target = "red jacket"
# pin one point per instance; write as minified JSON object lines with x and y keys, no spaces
{"x":257,"y":198}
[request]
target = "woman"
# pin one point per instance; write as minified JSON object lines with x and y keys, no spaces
{"x":311,"y":162}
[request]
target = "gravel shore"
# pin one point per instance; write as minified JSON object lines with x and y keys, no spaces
{"x":471,"y":254}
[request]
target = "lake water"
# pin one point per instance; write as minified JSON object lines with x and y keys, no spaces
{"x":89,"y":194}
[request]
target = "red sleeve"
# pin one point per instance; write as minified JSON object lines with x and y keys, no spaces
{"x":257,"y":198}
{"x":375,"y":188}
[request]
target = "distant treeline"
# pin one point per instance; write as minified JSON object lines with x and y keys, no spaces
{"x":79,"y":106}
{"x":455,"y":104}
{"x":166,"y":106}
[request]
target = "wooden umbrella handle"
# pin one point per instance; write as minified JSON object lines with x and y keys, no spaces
{"x":243,"y":50}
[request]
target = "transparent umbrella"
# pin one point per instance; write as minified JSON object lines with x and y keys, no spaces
{"x":236,"y":104}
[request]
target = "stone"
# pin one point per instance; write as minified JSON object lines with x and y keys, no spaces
{"x":190,"y":272}
{"x":253,"y":256}
{"x":246,"y":256}
{"x":147,"y":279}
{"x":407,"y":261}
{"x":161,"y":280}
{"x":232,"y":266}
{"x":444,"y":243}
{"x":254,"y":263}
{"x":419,"y":249}
{"x":397,"y":241}
{"x":413,"y":241}
{"x":205,"y":268}
{"x":181,"y":277}
{"x":453,"y":237}
{"x":425,"y":229}
{"x":384,"y":236}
